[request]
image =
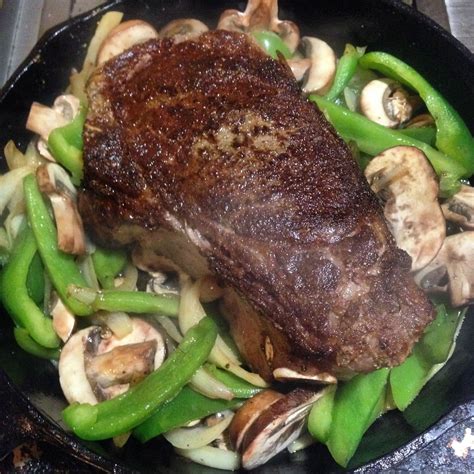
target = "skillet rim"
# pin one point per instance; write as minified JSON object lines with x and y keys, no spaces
{"x":54,"y":434}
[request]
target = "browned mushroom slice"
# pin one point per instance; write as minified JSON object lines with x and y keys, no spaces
{"x":452,"y":269}
{"x":248,"y":413}
{"x":460,"y":208}
{"x":261,"y":15}
{"x":54,"y":181}
{"x":183,"y":29}
{"x":403,"y":177}
{"x":63,"y":320}
{"x":123,"y":37}
{"x":278,"y":426}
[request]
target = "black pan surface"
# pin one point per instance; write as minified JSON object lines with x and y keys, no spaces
{"x":31,"y":395}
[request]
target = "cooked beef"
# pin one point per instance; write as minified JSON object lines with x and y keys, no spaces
{"x":206,"y":152}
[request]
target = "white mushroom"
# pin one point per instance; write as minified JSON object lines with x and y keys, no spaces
{"x":96,"y":365}
{"x":123,"y":37}
{"x":384,"y":101}
{"x":323,"y":66}
{"x":248,"y":413}
{"x":183,"y":29}
{"x":42,"y":120}
{"x":284,"y":374}
{"x":299,"y":67}
{"x":403,"y":177}
{"x":460,"y":208}
{"x":63,"y":320}
{"x":277,"y":427}
{"x":452,"y":269}
{"x":55,"y":182}
{"x":261,"y":15}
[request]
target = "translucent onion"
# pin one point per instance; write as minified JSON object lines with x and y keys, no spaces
{"x":13,"y":224}
{"x":14,"y":157}
{"x":170,"y":328}
{"x":10,"y":182}
{"x":84,"y":295}
{"x":190,"y":313}
{"x":120,"y":323}
{"x":198,"y":436}
{"x":212,"y":457}
{"x":204,"y":383}
{"x":86,"y":266}
{"x":128,"y":280}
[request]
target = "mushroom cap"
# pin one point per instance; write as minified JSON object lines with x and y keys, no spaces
{"x":183,"y":29}
{"x":404,"y":178}
{"x":460,"y":208}
{"x":123,"y":37}
{"x":384,"y":102}
{"x":455,"y":260}
{"x":323,"y":65}
{"x":277,"y":427}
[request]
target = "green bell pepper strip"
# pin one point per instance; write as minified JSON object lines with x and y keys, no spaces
{"x":139,"y":302}
{"x":65,"y":144}
{"x":61,"y":267}
{"x":272,"y":44}
{"x":14,"y":293}
{"x":187,"y":406}
{"x":346,"y":69}
{"x":35,"y":280}
{"x":372,"y":138}
{"x":453,"y":137}
{"x":25,"y":341}
{"x":107,"y":264}
{"x":127,"y":411}
{"x":240,"y":388}
{"x":320,"y":416}
{"x":423,"y":134}
{"x":358,"y":403}
{"x":407,"y":380}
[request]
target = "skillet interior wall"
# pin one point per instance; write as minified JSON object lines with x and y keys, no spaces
{"x":381,"y":24}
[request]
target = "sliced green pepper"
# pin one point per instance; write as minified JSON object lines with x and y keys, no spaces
{"x":346,"y":69}
{"x":61,"y":267}
{"x":65,"y":144}
{"x":423,"y":134}
{"x":372,"y":138}
{"x":127,"y":411}
{"x":25,"y":341}
{"x":107,"y":264}
{"x":187,"y":406}
{"x":14,"y":292}
{"x":240,"y":388}
{"x":407,"y":380}
{"x":320,"y":416}
{"x":357,"y":405}
{"x":272,"y":44}
{"x":453,"y":137}
{"x":35,"y":280}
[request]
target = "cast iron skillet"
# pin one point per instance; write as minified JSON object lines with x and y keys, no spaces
{"x":31,"y":399}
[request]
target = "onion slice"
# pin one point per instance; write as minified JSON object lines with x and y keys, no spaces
{"x":212,"y":457}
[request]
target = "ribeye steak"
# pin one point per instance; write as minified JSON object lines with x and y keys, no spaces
{"x":206,"y":152}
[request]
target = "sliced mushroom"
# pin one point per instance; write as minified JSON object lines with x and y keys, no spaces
{"x":452,"y":270}
{"x":42,"y":120}
{"x":385,"y":102}
{"x":183,"y":29}
{"x":63,"y":320}
{"x":261,"y":15}
{"x":277,"y":427}
{"x":123,"y":37}
{"x":54,"y":181}
{"x":403,"y":177}
{"x":460,"y":208}
{"x":423,"y":120}
{"x":248,"y":413}
{"x":283,"y":374}
{"x":299,"y":67}
{"x":323,"y":66}
{"x":95,"y":365}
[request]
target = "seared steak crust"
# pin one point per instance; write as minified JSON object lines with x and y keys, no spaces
{"x":212,"y":140}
